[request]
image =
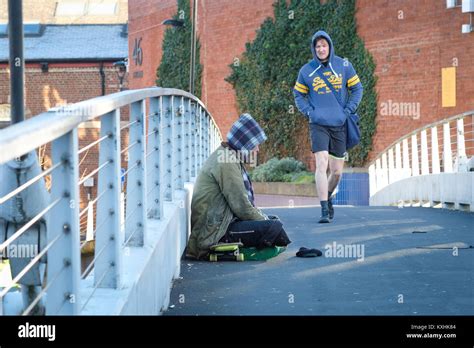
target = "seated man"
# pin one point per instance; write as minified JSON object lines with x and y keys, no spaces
{"x":223,"y":208}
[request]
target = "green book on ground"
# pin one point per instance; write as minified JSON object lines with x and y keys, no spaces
{"x":253,"y":254}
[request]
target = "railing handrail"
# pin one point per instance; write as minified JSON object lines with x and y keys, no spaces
{"x":418,"y":130}
{"x":21,"y":138}
{"x":170,"y":135}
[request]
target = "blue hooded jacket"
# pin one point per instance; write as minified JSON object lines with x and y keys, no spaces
{"x":315,"y":100}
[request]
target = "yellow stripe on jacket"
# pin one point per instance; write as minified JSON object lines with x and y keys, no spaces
{"x":302,"y":86}
{"x":301,"y":90}
{"x":353,"y":81}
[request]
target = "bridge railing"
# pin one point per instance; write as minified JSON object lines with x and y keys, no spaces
{"x":441,"y":147}
{"x":168,"y":136}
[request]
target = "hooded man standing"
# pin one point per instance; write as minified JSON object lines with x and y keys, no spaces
{"x":326,"y":116}
{"x":223,"y":207}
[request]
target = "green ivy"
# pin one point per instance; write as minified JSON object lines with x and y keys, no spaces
{"x":265,"y":75}
{"x":173,"y":71}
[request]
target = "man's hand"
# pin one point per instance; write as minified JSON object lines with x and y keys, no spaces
{"x":273,"y":217}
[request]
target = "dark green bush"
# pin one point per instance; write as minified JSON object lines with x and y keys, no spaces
{"x":283,"y":170}
{"x":175,"y":64}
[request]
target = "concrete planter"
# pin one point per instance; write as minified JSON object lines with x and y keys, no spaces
{"x":285,"y":189}
{"x":349,"y":179}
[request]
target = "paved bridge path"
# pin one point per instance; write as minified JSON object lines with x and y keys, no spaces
{"x":411,"y":261}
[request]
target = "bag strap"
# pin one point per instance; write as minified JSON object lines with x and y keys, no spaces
{"x":336,"y":95}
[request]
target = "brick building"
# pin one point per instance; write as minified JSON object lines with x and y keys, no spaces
{"x":66,"y":60}
{"x":70,"y":47}
{"x":411,"y":42}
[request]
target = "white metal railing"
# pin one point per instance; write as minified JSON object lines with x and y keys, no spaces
{"x":421,"y":153}
{"x":166,"y":147}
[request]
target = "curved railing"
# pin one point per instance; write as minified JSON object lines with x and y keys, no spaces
{"x":421,"y":153}
{"x":142,"y":159}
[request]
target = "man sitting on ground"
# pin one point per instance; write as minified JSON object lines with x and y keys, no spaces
{"x":223,"y":206}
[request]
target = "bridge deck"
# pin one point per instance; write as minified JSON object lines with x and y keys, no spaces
{"x":402,"y":273}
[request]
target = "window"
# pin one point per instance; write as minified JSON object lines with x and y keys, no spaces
{"x":101,"y":8}
{"x":70,"y":8}
{"x":4,"y":115}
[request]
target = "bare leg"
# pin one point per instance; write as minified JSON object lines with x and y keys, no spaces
{"x":321,"y":174}
{"x":335,"y":168}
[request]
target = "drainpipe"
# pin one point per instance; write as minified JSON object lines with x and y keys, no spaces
{"x":17,"y":70}
{"x":102,"y":77}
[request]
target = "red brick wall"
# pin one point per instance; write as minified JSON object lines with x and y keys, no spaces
{"x":145,"y":23}
{"x":409,"y":53}
{"x":224,"y":26}
{"x":66,"y":83}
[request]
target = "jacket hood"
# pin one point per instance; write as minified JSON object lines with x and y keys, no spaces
{"x":245,"y":134}
{"x":331,"y":46}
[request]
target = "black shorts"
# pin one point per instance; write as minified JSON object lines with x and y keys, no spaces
{"x":330,"y":139}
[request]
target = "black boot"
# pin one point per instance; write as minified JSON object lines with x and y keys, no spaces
{"x":330,"y":208}
{"x":282,"y":239}
{"x":324,"y":213}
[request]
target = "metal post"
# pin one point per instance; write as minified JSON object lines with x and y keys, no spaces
{"x":212,"y":136}
{"x":201,"y":139}
{"x":17,"y":68}
{"x":435,"y":166}
{"x":135,"y":219}
{"x":406,"y":159}
{"x":64,"y":263}
{"x":177,"y":139}
{"x":461,"y":160}
{"x":372,"y":180}
{"x":379,"y":175}
{"x":424,"y":153}
{"x":415,"y":165}
{"x":384,"y":170}
{"x":460,"y":141}
{"x":154,"y":165}
{"x":167,"y":146}
{"x":193,"y":139}
{"x":187,"y":140}
{"x":398,"y":161}
{"x":207,"y":137}
{"x":447,"y":153}
{"x":109,"y":237}
{"x":391,"y":167}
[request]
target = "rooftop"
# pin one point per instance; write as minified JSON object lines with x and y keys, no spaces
{"x":73,"y":42}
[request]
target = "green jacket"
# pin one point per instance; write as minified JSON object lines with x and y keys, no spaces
{"x":219,"y":196}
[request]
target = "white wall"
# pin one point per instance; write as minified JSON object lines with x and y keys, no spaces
{"x":148,"y":271}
